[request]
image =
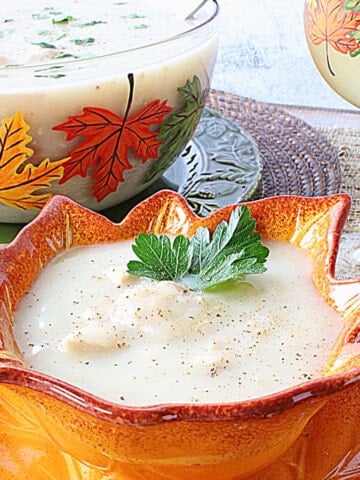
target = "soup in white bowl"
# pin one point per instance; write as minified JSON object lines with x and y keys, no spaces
{"x":97,"y":99}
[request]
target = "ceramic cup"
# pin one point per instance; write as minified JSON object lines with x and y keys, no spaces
{"x":332,"y":30}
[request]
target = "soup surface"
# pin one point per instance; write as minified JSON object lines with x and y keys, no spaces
{"x":54,"y":30}
{"x":137,"y":341}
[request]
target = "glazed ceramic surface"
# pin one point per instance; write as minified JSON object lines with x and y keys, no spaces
{"x":100,"y":130}
{"x":221,"y":165}
{"x":332,"y":29}
{"x":49,"y":429}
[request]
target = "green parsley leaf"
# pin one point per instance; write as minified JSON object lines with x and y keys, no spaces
{"x":63,"y":20}
{"x":160,"y":259}
{"x":39,"y":16}
{"x":54,"y":76}
{"x":83,"y":41}
{"x":44,"y":44}
{"x":133,"y":16}
{"x":204,"y":260}
{"x":47,"y":72}
{"x":62,"y":55}
{"x":92,"y":23}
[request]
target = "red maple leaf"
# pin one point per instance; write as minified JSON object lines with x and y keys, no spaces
{"x":108,"y":140}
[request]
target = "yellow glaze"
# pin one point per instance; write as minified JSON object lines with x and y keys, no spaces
{"x":49,"y":430}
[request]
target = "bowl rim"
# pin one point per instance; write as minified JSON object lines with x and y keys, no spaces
{"x":23,"y":69}
{"x":13,"y":372}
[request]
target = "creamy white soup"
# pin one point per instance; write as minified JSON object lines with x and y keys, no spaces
{"x":53,"y":30}
{"x":137,"y":341}
{"x":75,"y":54}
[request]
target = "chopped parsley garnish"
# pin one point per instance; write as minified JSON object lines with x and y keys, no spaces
{"x":83,"y":41}
{"x":135,"y":15}
{"x":64,"y":20}
{"x":142,"y":26}
{"x":40,"y":16}
{"x":92,"y":23}
{"x":204,"y":260}
{"x":51,"y":75}
{"x":44,"y":32}
{"x":44,"y":44}
{"x":59,"y":56}
{"x":48,"y":72}
{"x":61,"y":36}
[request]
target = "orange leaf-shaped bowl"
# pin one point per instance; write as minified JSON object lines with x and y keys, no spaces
{"x":50,"y":429}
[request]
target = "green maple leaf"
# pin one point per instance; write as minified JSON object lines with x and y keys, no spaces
{"x":178,"y":127}
{"x":352,"y":5}
{"x":355,"y":35}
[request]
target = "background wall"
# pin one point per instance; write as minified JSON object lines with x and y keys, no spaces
{"x":263,"y":54}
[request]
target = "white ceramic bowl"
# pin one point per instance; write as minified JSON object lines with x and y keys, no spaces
{"x":100,"y":130}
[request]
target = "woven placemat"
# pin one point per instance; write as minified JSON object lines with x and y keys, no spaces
{"x":347,"y":142}
{"x":298,"y":160}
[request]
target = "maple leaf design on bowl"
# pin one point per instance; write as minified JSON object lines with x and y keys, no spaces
{"x":109,"y":141}
{"x":23,"y":184}
{"x":108,"y":138}
{"x":335,"y":23}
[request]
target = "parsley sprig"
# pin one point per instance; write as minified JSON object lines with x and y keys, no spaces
{"x":204,"y":260}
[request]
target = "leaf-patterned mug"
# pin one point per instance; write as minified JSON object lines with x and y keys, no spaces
{"x":332,"y":30}
{"x":100,"y":130}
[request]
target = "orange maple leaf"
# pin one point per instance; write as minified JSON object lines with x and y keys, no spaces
{"x":22,"y":184}
{"x":328,"y":21}
{"x":108,"y":139}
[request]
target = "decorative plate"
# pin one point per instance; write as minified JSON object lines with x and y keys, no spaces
{"x":220,"y":166}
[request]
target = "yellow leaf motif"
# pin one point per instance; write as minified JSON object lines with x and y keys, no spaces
{"x":21,"y":183}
